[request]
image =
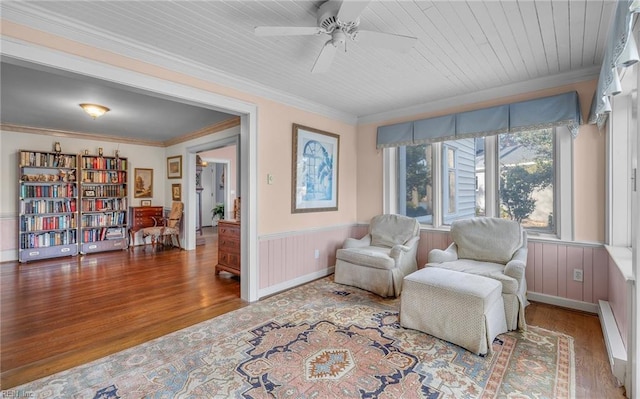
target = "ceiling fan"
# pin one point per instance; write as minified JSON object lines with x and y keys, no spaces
{"x":340,"y":20}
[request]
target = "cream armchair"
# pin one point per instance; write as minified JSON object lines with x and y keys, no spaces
{"x":494,"y":248}
{"x":379,"y":261}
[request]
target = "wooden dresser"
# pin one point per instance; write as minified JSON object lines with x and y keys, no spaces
{"x":141,"y":217}
{"x":228,"y":246}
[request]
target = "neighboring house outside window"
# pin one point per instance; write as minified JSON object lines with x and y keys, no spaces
{"x":521,"y":179}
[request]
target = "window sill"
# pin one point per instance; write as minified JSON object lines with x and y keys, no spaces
{"x":621,"y":256}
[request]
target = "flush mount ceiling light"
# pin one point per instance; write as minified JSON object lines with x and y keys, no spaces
{"x":94,"y":110}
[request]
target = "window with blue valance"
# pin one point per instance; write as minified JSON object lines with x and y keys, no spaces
{"x":558,"y":110}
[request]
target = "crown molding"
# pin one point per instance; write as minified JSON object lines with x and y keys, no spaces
{"x":77,"y":135}
{"x":32,"y":16}
{"x":215,"y":128}
{"x":542,"y":83}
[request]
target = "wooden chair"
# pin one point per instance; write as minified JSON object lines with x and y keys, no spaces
{"x":166,"y":227}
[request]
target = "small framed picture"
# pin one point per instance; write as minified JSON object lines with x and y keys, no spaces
{"x":145,"y":202}
{"x":89,"y":193}
{"x":176,"y":192}
{"x":143,"y":179}
{"x":174,"y":167}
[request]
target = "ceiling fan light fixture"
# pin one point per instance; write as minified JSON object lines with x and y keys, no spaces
{"x":94,"y":110}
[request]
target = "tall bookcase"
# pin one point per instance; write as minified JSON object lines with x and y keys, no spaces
{"x":103,"y":203}
{"x":48,"y":201}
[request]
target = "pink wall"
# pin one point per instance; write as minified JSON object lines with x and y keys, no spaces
{"x":618,"y":299}
{"x":549,"y":265}
{"x":286,"y":257}
{"x":550,"y":271}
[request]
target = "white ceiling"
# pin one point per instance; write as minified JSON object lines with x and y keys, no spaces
{"x":466,"y":50}
{"x":38,"y":97}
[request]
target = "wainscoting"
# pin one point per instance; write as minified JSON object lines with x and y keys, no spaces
{"x":288,"y":259}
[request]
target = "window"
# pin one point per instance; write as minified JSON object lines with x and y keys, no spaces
{"x":415,"y":182}
{"x":512,"y":176}
{"x":526,"y":173}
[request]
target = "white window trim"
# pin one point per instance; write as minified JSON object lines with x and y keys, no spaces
{"x":390,"y":183}
{"x":621,"y":130}
{"x":563,"y":184}
{"x":491,"y":198}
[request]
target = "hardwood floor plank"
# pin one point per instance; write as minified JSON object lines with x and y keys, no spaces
{"x":593,"y":372}
{"x":60,"y":313}
{"x":63,"y":312}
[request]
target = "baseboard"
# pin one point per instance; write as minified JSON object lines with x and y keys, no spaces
{"x":274,"y":289}
{"x":563,"y":302}
{"x":615,"y":347}
{"x":9,"y":255}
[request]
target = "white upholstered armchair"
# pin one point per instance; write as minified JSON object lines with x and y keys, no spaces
{"x":494,"y":248}
{"x":379,"y":261}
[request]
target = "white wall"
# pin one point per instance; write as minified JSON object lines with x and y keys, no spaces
{"x":139,"y":156}
{"x":188,"y":150}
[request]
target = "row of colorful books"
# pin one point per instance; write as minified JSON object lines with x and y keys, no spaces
{"x":101,"y":234}
{"x":104,"y":219}
{"x":48,"y":239}
{"x":48,"y":206}
{"x":38,"y":223}
{"x":48,"y":191}
{"x":104,"y":163}
{"x":47,"y":160}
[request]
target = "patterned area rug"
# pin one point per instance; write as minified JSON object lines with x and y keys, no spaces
{"x":321,"y":340}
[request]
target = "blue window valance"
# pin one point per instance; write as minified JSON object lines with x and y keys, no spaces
{"x":559,"y":110}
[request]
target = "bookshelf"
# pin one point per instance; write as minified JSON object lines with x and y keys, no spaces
{"x":103,"y":203}
{"x":48,"y":199}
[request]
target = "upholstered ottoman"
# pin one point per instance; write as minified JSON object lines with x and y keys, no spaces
{"x":462,"y":308}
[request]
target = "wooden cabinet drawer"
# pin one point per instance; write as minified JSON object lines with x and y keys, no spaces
{"x":228,"y":247}
{"x":143,"y":216}
{"x":229,"y":231}
{"x":229,"y":259}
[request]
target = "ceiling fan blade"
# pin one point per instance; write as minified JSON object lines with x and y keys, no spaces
{"x":386,"y":40}
{"x":287,"y":30}
{"x":350,"y":10}
{"x":325,"y":58}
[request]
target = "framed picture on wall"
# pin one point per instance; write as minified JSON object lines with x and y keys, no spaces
{"x":176,"y":192}
{"x":314,"y":170}
{"x":143,"y":180}
{"x":174,"y":167}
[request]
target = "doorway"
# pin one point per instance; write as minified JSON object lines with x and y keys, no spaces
{"x":218,"y":189}
{"x":246,"y":139}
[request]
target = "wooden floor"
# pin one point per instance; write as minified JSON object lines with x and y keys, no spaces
{"x":57,"y":314}
{"x":63,"y":312}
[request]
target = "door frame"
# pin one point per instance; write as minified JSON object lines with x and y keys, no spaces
{"x":20,"y":51}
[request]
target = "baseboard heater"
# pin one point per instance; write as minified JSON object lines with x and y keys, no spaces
{"x":615,"y":348}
